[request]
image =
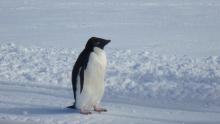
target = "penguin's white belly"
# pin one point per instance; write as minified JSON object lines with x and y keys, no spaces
{"x":93,"y":88}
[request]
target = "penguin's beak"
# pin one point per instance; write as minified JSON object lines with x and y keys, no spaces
{"x":106,"y":42}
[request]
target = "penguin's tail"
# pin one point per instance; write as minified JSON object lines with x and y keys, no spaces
{"x":72,"y":106}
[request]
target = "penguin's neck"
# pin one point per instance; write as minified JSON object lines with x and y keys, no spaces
{"x":98,"y":51}
{"x":100,"y":56}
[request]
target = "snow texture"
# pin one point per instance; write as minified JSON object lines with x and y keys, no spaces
{"x":163,"y":61}
{"x":140,"y":74}
{"x":35,"y":87}
{"x":182,"y":27}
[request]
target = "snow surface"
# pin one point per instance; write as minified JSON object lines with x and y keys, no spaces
{"x":182,"y":27}
{"x":163,"y":61}
{"x":141,"y":87}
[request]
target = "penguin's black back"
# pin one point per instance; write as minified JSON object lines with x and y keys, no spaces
{"x":79,"y":67}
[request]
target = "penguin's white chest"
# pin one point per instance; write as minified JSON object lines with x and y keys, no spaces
{"x":93,"y":88}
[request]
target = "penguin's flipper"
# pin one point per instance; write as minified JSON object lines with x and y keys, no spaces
{"x":81,"y":78}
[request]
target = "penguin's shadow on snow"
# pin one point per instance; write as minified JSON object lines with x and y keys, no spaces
{"x":38,"y":111}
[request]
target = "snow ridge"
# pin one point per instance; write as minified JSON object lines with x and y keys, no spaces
{"x":138,"y":74}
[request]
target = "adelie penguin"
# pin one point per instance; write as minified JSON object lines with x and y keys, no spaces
{"x":88,"y":76}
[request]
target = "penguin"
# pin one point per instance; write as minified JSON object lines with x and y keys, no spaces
{"x":88,"y":76}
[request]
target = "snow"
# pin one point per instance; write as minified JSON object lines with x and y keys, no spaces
{"x":141,"y":87}
{"x":182,"y":27}
{"x":40,"y":104}
{"x":163,"y":61}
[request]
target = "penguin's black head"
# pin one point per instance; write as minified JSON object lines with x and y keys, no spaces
{"x":96,"y":42}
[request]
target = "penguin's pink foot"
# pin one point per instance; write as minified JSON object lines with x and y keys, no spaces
{"x":100,"y":109}
{"x":85,"y":112}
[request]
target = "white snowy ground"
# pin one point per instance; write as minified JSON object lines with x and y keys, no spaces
{"x":141,"y":87}
{"x":179,"y":27}
{"x":164,"y":60}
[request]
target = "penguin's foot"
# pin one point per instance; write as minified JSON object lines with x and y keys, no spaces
{"x":100,"y":109}
{"x":85,"y":112}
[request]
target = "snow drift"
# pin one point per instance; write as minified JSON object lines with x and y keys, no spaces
{"x":135,"y":74}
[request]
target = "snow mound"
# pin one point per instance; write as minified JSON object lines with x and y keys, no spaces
{"x":136,"y":74}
